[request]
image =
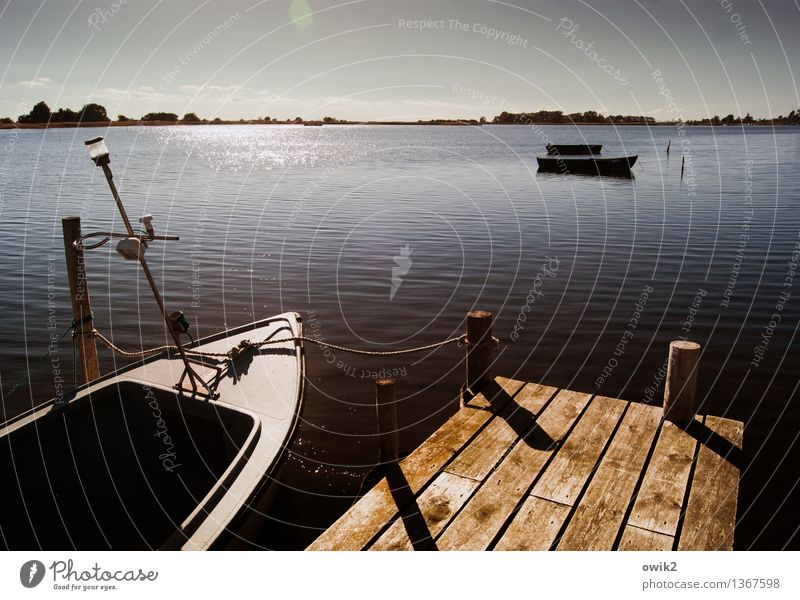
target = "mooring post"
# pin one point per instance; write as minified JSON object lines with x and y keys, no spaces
{"x":388,"y":434}
{"x":79,"y":295}
{"x":683,"y":160}
{"x":479,"y":350}
{"x":680,"y":404}
{"x":668,"y":145}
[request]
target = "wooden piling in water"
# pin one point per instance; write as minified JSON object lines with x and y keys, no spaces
{"x":79,"y":295}
{"x":683,"y":160}
{"x":480,"y":345}
{"x":388,"y":433}
{"x":668,"y":145}
{"x":680,"y":403}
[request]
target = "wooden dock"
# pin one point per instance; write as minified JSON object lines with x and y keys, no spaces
{"x":524,"y":466}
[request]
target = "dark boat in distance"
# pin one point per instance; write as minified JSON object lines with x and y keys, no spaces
{"x":555,"y":149}
{"x":619,"y":166}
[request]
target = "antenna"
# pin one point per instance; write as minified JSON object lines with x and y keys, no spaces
{"x":133,"y":247}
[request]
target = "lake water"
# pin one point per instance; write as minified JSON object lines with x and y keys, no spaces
{"x":314,"y":219}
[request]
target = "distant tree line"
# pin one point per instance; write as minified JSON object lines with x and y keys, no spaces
{"x":793,"y":118}
{"x":91,"y":113}
{"x":40,"y":113}
{"x":590,"y":116}
{"x":96,"y":113}
{"x":557,"y":116}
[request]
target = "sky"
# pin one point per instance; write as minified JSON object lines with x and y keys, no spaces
{"x":401,"y":60}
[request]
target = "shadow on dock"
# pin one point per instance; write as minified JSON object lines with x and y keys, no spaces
{"x":521,"y":420}
{"x":409,"y":511}
{"x":716,"y":443}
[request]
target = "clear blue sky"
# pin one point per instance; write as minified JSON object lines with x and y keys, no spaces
{"x":363,"y":58}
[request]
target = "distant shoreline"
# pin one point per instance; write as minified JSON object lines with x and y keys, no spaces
{"x":447,"y":123}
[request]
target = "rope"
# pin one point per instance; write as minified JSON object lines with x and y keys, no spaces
{"x":231,"y":354}
{"x":114,"y":348}
{"x":245,"y":345}
{"x":461,"y":340}
{"x":38,"y":362}
{"x":74,"y":360}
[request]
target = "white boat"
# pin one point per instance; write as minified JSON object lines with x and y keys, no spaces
{"x":129,"y":462}
{"x":176,"y":451}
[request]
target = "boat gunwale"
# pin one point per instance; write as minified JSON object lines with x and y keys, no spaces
{"x":8,"y":425}
{"x":570,"y":149}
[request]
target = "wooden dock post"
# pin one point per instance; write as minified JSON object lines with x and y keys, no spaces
{"x":683,"y":160}
{"x":668,"y":145}
{"x":388,"y":434}
{"x":680,"y":404}
{"x":479,"y":350}
{"x":79,"y":295}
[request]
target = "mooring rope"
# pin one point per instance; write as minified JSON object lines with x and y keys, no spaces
{"x":231,"y":354}
{"x":245,"y":345}
{"x":133,"y":354}
{"x":40,"y":360}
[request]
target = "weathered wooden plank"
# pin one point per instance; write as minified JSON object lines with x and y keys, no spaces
{"x":422,"y":464}
{"x":516,"y":417}
{"x":418,"y":525}
{"x":660,"y":499}
{"x":535,"y":526}
{"x":354,"y":529}
{"x":481,"y":519}
{"x":510,"y":386}
{"x":599,"y":516}
{"x":471,"y":489}
{"x":575,"y":461}
{"x":635,"y":538}
{"x":710,"y":518}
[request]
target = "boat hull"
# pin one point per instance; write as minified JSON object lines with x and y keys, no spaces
{"x":588,"y":165}
{"x":571,"y":149}
{"x":128,"y":462}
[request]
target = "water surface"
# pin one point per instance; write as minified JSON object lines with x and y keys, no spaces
{"x":279,"y":218}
